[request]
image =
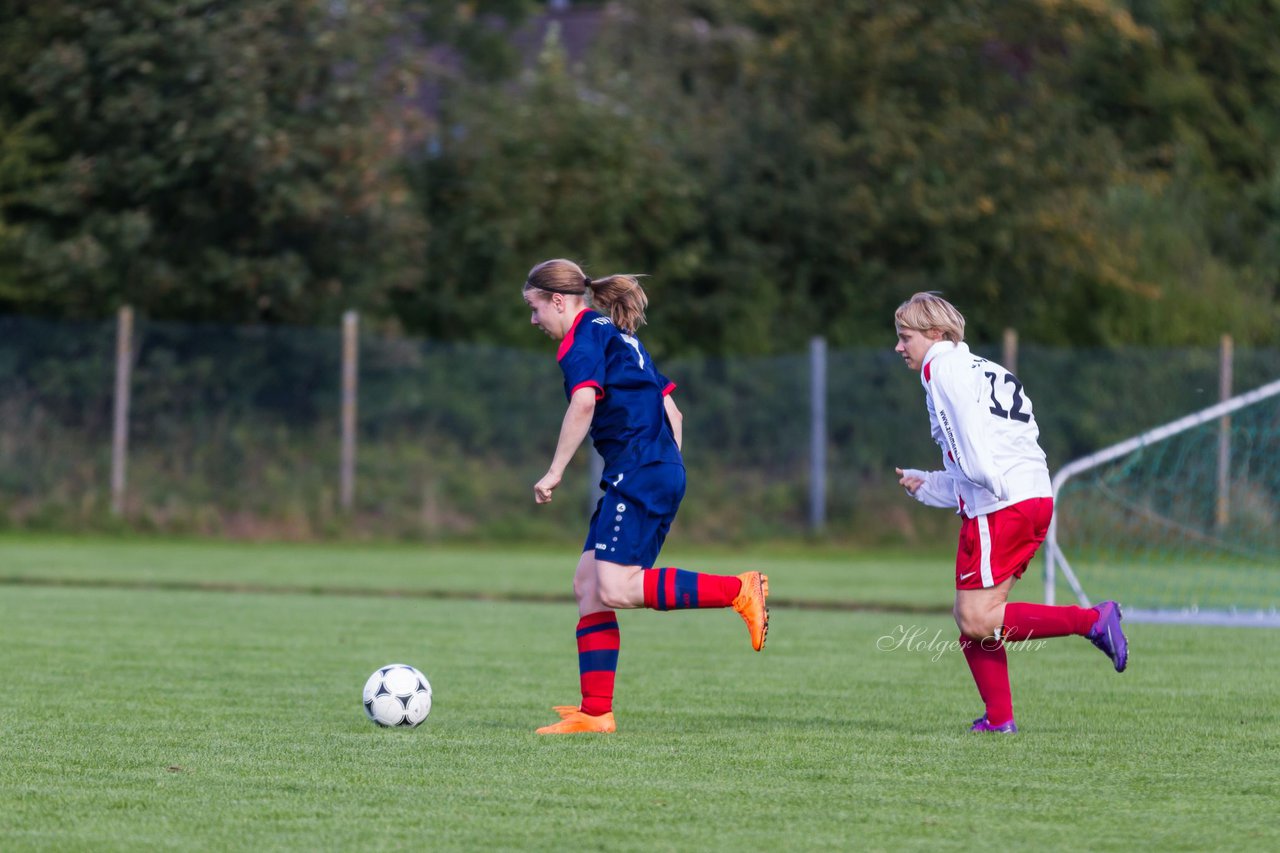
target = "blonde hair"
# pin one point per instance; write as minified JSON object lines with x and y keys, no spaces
{"x":925,"y":311}
{"x":619,"y":296}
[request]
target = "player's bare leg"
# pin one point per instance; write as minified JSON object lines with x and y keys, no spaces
{"x":979,"y":613}
{"x":586,"y":587}
{"x":620,"y":587}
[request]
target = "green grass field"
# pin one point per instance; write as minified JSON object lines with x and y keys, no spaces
{"x":206,"y":696}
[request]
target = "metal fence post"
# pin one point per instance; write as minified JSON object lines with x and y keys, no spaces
{"x":817,"y":434}
{"x":1009,"y":357}
{"x":120,"y":422}
{"x":350,"y":365}
{"x":1222,"y":512}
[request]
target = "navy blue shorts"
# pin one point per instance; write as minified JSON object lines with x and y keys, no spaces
{"x":631,"y":521}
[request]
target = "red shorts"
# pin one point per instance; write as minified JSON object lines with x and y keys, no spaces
{"x":999,"y":545}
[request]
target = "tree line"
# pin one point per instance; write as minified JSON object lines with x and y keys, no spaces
{"x":1091,"y":172}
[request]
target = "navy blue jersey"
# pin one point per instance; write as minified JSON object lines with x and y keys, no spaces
{"x":630,"y":427}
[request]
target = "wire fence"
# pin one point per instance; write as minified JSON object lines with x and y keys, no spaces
{"x":238,"y":431}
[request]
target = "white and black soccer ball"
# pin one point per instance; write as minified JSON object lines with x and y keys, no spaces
{"x":397,"y":695}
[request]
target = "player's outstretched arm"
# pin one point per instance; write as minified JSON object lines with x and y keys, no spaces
{"x":931,"y":488}
{"x":910,"y":479}
{"x":573,"y":429}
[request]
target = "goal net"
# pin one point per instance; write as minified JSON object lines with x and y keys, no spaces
{"x":1179,"y":524}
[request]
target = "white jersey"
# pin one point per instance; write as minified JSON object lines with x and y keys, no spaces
{"x":983,"y":421}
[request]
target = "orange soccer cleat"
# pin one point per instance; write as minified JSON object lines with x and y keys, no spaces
{"x":751,"y":606}
{"x":573,"y":721}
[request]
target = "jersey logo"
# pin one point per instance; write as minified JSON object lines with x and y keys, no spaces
{"x":963,"y":577}
{"x":602,"y":321}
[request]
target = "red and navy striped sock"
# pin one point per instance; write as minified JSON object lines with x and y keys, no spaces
{"x":598,"y":641}
{"x":677,"y":589}
{"x":989,"y":664}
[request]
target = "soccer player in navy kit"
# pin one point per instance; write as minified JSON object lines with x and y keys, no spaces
{"x":617,"y":395}
{"x":995,"y":475}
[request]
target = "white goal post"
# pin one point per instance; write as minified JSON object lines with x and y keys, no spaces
{"x":1056,"y":561}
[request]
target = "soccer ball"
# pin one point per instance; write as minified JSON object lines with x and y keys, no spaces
{"x":397,"y":695}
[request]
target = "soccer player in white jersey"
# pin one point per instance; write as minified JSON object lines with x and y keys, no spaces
{"x":994,"y":474}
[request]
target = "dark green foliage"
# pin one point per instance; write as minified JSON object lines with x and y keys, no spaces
{"x":1026,"y":159}
{"x":548,"y":170}
{"x":1086,"y":172}
{"x":228,"y":161}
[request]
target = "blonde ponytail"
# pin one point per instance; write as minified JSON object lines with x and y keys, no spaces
{"x":622,"y":298}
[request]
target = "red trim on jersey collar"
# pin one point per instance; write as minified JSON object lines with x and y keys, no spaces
{"x":568,"y":338}
{"x":934,"y":351}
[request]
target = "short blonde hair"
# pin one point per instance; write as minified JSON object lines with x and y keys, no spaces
{"x":925,"y":311}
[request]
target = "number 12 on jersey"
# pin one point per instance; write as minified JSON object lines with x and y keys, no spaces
{"x":1015,"y":410}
